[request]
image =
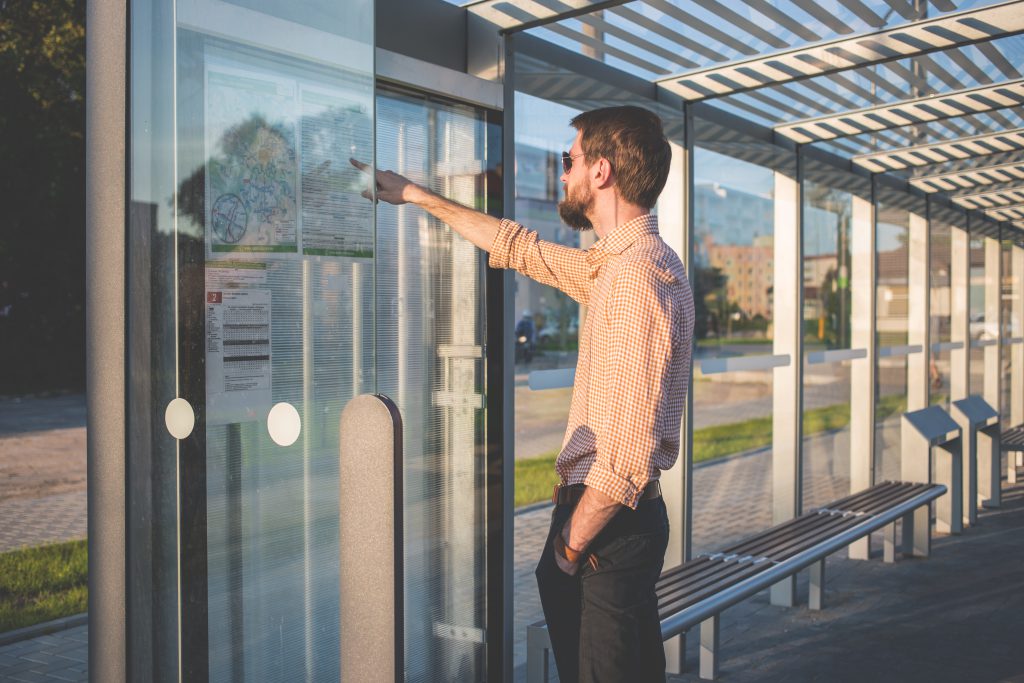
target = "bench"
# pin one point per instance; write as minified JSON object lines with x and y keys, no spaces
{"x":698,"y":591}
{"x":1012,"y":443}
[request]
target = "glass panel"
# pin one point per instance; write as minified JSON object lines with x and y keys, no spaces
{"x":892,"y":235}
{"x":977,"y":327}
{"x":733,"y":274}
{"x":253,"y":255}
{"x":827,"y":318}
{"x":430,"y":293}
{"x":940,"y":301}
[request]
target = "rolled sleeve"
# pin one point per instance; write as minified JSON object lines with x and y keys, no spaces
{"x":614,"y":485}
{"x":501,"y":248}
{"x":549,"y":263}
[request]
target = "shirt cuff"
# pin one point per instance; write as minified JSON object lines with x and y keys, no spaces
{"x":615,"y":486}
{"x":501,"y":247}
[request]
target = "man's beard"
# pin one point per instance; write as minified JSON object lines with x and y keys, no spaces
{"x":573,"y":210}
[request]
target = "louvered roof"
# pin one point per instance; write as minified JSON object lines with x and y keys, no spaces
{"x":927,"y":90}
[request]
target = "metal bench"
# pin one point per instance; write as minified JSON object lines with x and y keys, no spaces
{"x":698,"y":591}
{"x":1012,"y":443}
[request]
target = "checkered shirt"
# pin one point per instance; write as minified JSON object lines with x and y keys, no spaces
{"x":635,"y":350}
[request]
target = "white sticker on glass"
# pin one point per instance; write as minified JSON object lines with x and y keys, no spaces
{"x":179,"y":418}
{"x":284,"y":424}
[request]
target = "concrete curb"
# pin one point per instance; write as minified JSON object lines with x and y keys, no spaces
{"x":44,"y":629}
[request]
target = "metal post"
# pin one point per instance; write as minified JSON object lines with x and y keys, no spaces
{"x":993,"y":332}
{"x":787,"y":392}
{"x":675,"y":221}
{"x":371,"y":560}
{"x":1016,"y":415}
{"x":106,"y":198}
{"x":862,"y":374}
{"x":918,"y":381}
{"x":709,"y":641}
{"x":816,"y":599}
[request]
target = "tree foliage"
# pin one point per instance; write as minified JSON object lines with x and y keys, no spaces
{"x":42,"y":195}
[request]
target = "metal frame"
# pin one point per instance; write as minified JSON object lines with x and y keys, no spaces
{"x":967,"y":179}
{"x":106,"y":328}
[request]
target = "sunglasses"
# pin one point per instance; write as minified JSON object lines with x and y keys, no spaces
{"x":567,"y":160}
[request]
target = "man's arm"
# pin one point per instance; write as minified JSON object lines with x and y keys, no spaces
{"x":592,"y":514}
{"x":475,"y":226}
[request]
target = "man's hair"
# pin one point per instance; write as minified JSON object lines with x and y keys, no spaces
{"x":632,"y":140}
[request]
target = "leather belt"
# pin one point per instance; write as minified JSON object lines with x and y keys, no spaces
{"x":572,"y":493}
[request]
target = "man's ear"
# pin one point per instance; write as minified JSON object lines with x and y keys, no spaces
{"x":602,"y":173}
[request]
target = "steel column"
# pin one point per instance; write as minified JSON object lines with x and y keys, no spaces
{"x":960,"y":312}
{"x":862,"y":375}
{"x":787,"y":390}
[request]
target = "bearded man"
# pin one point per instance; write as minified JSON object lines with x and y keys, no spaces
{"x":609,"y":527}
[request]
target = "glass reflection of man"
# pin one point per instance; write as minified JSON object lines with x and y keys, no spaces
{"x":609,"y":529}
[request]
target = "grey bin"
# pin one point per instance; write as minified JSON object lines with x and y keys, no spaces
{"x":982,"y":458}
{"x":932,"y":451}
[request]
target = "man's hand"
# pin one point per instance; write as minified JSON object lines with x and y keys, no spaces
{"x":391,"y":187}
{"x":563,"y":563}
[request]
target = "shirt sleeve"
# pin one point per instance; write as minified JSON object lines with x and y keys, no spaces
{"x":552,"y":264}
{"x":639,"y":317}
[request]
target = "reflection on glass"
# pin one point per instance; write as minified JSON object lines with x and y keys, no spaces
{"x":978,"y":325}
{"x":429,"y":297}
{"x":892,"y":235}
{"x":1008,"y":327}
{"x":826,"y":320}
{"x":733,"y":274}
{"x":940,"y":302}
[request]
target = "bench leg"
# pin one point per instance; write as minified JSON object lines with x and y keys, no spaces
{"x":860,"y":549}
{"x":538,"y":644}
{"x":675,"y":654}
{"x":783,"y":593}
{"x":1012,"y":460}
{"x":709,"y":648}
{"x":816,"y":598}
{"x":917,"y":538}
{"x":889,"y":544}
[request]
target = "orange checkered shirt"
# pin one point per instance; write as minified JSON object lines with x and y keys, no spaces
{"x":633,"y":368}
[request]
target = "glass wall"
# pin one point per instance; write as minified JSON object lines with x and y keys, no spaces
{"x":892,"y":233}
{"x":1008,"y":329}
{"x":977,"y":327}
{"x":827,"y":216}
{"x":266,"y":293}
{"x":733,"y":273}
{"x":940,"y":266}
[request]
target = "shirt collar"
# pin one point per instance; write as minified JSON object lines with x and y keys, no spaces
{"x":621,"y":238}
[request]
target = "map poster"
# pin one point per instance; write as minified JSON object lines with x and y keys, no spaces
{"x":238,"y":372}
{"x":336,"y":219}
{"x":252,"y":166}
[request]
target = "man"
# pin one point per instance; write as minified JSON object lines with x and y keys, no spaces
{"x":609,"y":529}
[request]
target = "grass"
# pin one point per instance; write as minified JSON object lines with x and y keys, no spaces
{"x":43,"y":583}
{"x":536,"y":476}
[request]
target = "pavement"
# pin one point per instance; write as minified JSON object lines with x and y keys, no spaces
{"x":956,"y":616}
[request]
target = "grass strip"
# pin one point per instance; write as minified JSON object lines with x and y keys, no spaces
{"x":536,"y":476}
{"x":43,"y":583}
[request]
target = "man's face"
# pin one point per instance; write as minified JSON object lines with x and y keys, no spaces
{"x":579,"y":199}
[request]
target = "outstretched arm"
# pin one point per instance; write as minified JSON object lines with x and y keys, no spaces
{"x":475,"y":226}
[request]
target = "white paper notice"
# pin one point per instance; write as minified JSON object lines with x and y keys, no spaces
{"x":238,"y":374}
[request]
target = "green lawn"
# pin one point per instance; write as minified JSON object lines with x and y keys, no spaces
{"x":536,"y":476}
{"x":43,"y":583}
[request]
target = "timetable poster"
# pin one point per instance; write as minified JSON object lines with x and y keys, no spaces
{"x":238,"y":374}
{"x":336,"y":219}
{"x":252,"y":165}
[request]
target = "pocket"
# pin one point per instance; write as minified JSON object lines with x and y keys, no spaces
{"x":624,"y":553}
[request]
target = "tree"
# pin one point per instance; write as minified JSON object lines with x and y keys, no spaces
{"x":42,"y":190}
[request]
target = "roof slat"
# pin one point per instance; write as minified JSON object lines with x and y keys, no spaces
{"x":941,"y":152}
{"x":920,"y":110}
{"x":963,"y":28}
{"x":646,"y":22}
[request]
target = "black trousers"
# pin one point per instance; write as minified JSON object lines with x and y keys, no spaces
{"x":603,"y":622}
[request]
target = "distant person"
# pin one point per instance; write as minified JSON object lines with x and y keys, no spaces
{"x":526,"y":337}
{"x":609,"y":530}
